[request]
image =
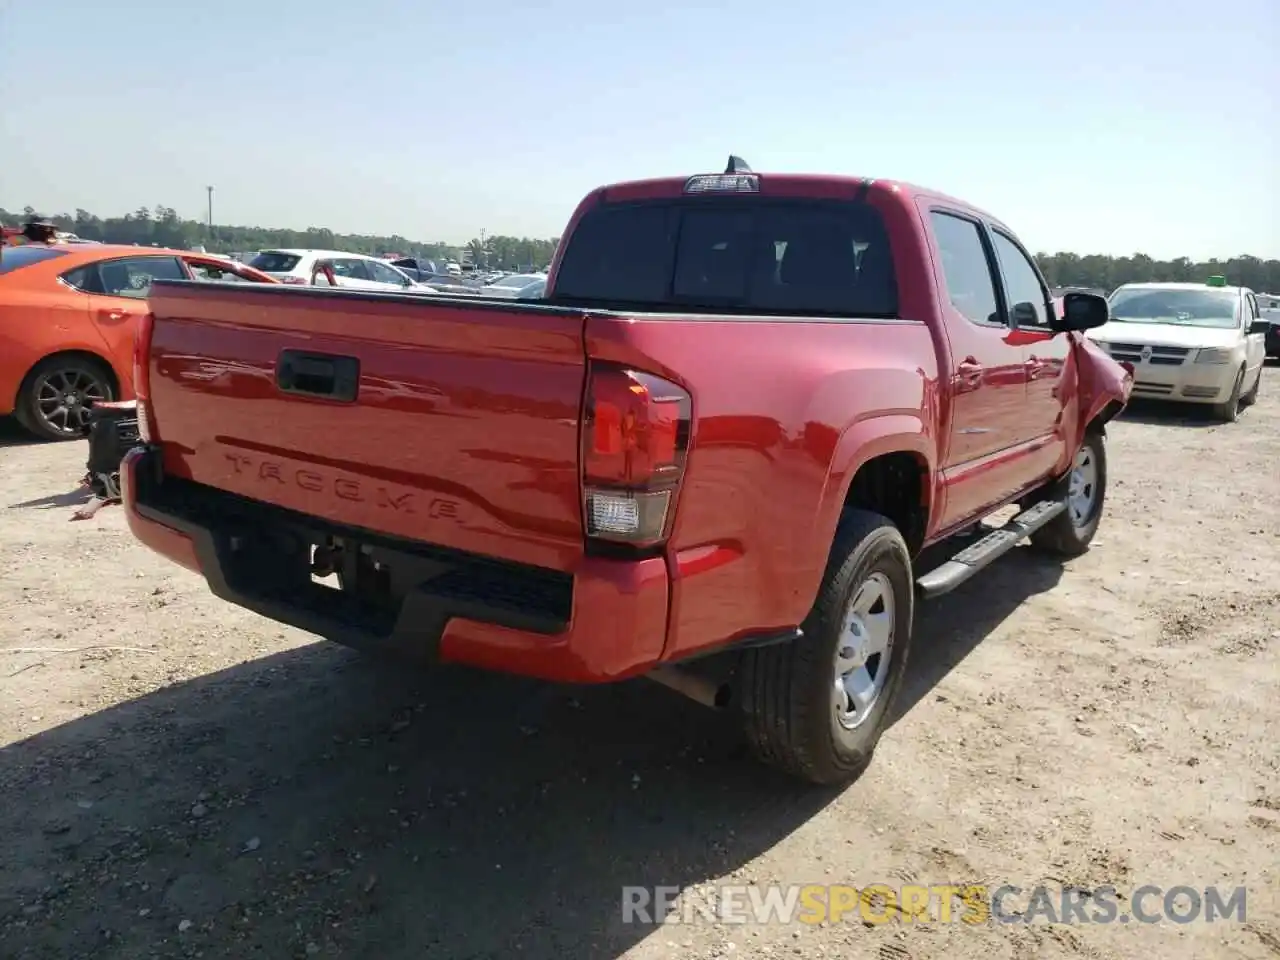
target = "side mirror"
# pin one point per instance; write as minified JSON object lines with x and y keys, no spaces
{"x":1259,"y":326}
{"x":1024,"y":314}
{"x":1081,"y":311}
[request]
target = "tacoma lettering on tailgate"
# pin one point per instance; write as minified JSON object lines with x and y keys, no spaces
{"x":305,"y":478}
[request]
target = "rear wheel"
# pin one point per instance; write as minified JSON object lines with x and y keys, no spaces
{"x":816,"y":707}
{"x":55,"y":398}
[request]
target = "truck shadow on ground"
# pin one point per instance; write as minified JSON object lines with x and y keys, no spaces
{"x":317,"y":798}
{"x":316,"y":803}
{"x":951,"y":627}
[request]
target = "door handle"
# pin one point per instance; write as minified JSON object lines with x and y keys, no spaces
{"x":113,"y":315}
{"x":1035,"y":367}
{"x":969,"y":371}
{"x":323,"y":375}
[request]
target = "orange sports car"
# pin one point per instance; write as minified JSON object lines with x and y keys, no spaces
{"x":67,"y":318}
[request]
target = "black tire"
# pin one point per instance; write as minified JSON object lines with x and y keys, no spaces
{"x":1250,"y":398}
{"x":787,"y":691}
{"x":1069,"y":533}
{"x":48,"y":374}
{"x":1229,"y":410}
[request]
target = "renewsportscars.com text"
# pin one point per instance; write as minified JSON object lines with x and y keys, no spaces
{"x":937,"y":903}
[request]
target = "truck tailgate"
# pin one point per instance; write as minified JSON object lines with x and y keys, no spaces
{"x":449,"y":423}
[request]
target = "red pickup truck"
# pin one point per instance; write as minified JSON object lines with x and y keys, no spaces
{"x":711,"y":455}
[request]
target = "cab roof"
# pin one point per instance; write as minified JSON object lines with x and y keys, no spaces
{"x":791,"y":184}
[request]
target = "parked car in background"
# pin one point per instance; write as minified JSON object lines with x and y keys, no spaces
{"x":417,"y":268}
{"x":1190,"y":342}
{"x":1269,"y":307}
{"x":68,"y":313}
{"x":712,"y":455}
{"x":352,"y":271}
{"x":1272,"y":341}
{"x":518,"y":286}
{"x":433,"y":273}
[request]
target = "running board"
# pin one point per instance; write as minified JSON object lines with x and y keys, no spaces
{"x":976,"y":556}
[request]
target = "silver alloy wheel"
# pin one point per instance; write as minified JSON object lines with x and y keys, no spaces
{"x":63,"y":399}
{"x":1082,"y":487}
{"x":863,"y":652}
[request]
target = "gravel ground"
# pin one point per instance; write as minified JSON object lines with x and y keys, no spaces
{"x":181,"y":778}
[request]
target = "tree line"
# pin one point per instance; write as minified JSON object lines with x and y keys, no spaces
{"x":163,"y":227}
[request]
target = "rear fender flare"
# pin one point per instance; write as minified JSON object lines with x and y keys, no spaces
{"x":861,"y":442}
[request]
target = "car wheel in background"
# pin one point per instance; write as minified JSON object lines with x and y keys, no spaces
{"x":1250,"y":398}
{"x":54,"y":400}
{"x":1229,"y":410}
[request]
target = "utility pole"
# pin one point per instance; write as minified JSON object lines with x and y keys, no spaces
{"x":210,"y":192}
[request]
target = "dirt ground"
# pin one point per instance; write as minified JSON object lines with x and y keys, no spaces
{"x":180,"y":778}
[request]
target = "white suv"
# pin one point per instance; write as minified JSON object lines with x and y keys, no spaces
{"x":352,"y":271}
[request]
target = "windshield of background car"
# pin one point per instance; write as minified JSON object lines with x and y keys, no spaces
{"x":1193,"y":308}
{"x":15,"y":258}
{"x":273,"y":261}
{"x":745,"y":255}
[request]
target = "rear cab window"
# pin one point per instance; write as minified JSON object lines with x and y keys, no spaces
{"x":273,"y":261}
{"x":746,"y":255}
{"x":15,"y":258}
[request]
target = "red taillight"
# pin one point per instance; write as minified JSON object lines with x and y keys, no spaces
{"x":142,"y":375}
{"x":300,"y":281}
{"x":635,"y":437}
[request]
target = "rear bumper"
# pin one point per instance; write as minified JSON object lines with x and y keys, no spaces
{"x":606,"y":622}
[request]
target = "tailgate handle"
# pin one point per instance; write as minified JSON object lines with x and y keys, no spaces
{"x":323,"y":375}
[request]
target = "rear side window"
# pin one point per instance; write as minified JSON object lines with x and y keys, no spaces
{"x":352,"y":269}
{"x":272,"y":261}
{"x":753,"y":256}
{"x":126,"y":277}
{"x":15,"y":258}
{"x":970,"y":285}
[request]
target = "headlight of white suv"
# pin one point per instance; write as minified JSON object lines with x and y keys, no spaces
{"x":1213,"y":355}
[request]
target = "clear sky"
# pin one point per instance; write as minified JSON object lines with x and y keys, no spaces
{"x":1092,"y":126}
